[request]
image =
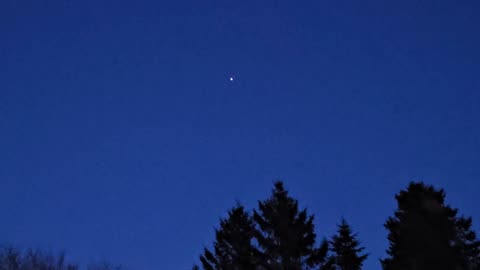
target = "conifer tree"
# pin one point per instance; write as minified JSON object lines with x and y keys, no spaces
{"x":233,"y":247}
{"x":286,"y":235}
{"x":425,"y":233}
{"x":346,"y":249}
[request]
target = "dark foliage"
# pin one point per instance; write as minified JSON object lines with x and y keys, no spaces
{"x":425,"y":233}
{"x":233,"y":247}
{"x":13,"y":259}
{"x":346,"y":249}
{"x":286,"y":234}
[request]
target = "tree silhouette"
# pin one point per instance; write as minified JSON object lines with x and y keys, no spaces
{"x":466,"y":244}
{"x":13,"y":259}
{"x":10,"y":259}
{"x":233,"y":248}
{"x":425,"y":233}
{"x":346,"y":249}
{"x":285,"y":234}
{"x":34,"y":259}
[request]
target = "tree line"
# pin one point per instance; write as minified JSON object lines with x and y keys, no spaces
{"x":424,"y":233}
{"x":33,"y":259}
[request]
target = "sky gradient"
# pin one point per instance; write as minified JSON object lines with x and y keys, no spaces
{"x":122,"y":137}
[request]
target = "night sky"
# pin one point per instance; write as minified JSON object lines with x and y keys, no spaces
{"x":123,"y":138}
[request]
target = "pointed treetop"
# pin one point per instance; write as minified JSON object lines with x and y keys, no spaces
{"x":346,"y":248}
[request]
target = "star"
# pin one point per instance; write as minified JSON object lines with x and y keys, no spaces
{"x":230,"y":79}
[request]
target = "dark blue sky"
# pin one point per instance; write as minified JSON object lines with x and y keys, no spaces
{"x":122,"y":138}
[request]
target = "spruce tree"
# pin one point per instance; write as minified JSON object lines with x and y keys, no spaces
{"x":425,"y":233}
{"x":233,"y":247}
{"x":286,"y":234}
{"x":346,"y":249}
{"x":467,"y":244}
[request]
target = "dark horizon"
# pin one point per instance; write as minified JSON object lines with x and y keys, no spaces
{"x":123,"y":137}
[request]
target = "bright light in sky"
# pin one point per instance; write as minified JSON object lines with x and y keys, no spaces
{"x":231,"y":79}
